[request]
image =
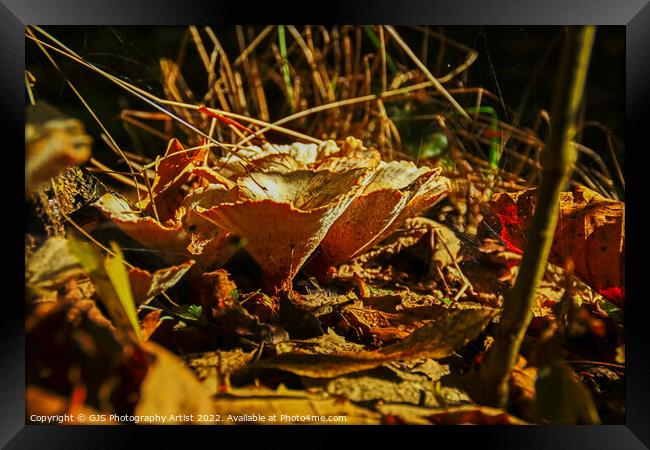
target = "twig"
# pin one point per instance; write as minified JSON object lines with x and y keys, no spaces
{"x":559,"y":159}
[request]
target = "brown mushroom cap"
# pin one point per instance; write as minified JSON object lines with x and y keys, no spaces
{"x":397,"y":191}
{"x":284,"y":216}
{"x":174,"y":239}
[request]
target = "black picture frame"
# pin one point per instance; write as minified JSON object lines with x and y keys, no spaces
{"x":634,"y":14}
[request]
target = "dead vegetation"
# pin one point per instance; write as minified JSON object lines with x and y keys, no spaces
{"x":292,"y":249}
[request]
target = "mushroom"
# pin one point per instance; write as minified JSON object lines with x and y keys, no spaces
{"x":397,"y":191}
{"x":285,"y":215}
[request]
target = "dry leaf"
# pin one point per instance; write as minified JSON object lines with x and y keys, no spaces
{"x":214,"y":368}
{"x":146,"y":285}
{"x":111,"y":281}
{"x":590,"y":231}
{"x":173,"y":170}
{"x":434,"y":340}
{"x":170,"y":389}
{"x":288,"y":407}
{"x":52,"y":264}
{"x":454,"y":415}
{"x":149,"y":323}
{"x":51,"y":146}
{"x":395,"y":382}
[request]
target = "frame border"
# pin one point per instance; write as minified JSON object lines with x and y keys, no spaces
{"x":635,"y":14}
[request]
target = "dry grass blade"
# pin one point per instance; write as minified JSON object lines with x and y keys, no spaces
{"x":426,"y":71}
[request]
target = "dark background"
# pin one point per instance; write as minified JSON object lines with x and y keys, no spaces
{"x":517,"y":63}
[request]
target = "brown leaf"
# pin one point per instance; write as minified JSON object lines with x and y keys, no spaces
{"x":406,"y":382}
{"x":173,"y":171}
{"x":434,"y":340}
{"x":454,"y":415}
{"x":149,"y":324}
{"x":52,"y":264}
{"x":288,"y":407}
{"x":213,"y":368}
{"x":170,"y":389}
{"x":51,"y":146}
{"x":146,"y":285}
{"x":590,"y":232}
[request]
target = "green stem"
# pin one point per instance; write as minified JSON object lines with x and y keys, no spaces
{"x":495,"y":149}
{"x":558,"y":160}
{"x":282,"y":40}
{"x":375,"y":40}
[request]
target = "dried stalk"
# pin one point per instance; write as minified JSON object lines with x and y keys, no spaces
{"x":559,"y":159}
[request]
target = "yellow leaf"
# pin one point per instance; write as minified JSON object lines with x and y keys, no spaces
{"x":119,"y":276}
{"x":111,"y":279}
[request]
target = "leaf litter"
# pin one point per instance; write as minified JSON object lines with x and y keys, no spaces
{"x":337,"y":277}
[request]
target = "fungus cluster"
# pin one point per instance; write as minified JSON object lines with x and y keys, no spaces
{"x":294,"y":206}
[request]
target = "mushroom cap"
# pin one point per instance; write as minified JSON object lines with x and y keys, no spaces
{"x":398,"y":190}
{"x":174,"y":239}
{"x":284,"y":216}
{"x":272,"y":157}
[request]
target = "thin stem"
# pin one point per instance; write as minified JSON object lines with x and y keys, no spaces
{"x":558,"y":160}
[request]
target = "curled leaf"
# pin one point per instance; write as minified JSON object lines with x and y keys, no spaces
{"x":590,"y":233}
{"x":173,"y":170}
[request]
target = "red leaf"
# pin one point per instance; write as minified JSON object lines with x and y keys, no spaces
{"x":508,"y":218}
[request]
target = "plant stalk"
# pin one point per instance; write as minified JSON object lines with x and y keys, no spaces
{"x":558,"y":160}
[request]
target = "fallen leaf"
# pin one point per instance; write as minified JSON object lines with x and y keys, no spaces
{"x":454,"y":415}
{"x":434,"y":340}
{"x":149,"y":324}
{"x":111,"y":280}
{"x":170,"y":389}
{"x":590,"y":232}
{"x":51,"y":144}
{"x":172,"y":171}
{"x":52,"y":264}
{"x":392,"y":383}
{"x":213,"y":368}
{"x":289,"y":407}
{"x":146,"y":285}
